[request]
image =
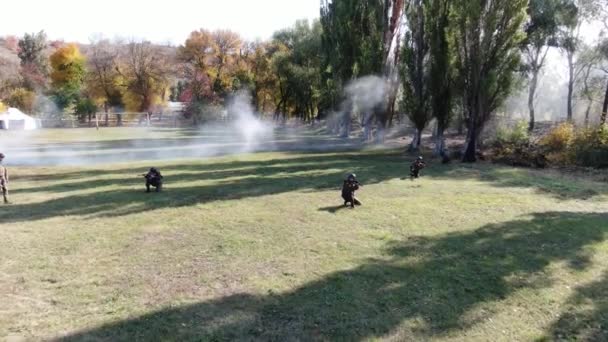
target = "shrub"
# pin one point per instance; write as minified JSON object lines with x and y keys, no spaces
{"x":590,"y":148}
{"x":516,"y":136}
{"x":512,"y":146}
{"x":559,"y":138}
{"x":23,"y":99}
{"x":557,"y":144}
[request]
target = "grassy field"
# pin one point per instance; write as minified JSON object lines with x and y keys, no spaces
{"x":257,"y":247}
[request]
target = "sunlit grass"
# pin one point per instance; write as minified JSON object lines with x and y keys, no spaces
{"x":257,"y":247}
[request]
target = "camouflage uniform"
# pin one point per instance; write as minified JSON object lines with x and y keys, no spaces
{"x":416,"y":166}
{"x":3,"y":180}
{"x":155,"y":179}
{"x":349,"y":187}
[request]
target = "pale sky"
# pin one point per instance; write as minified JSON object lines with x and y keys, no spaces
{"x":158,"y":21}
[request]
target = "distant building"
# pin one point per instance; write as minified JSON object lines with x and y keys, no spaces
{"x":14,"y":119}
{"x":175,"y":107}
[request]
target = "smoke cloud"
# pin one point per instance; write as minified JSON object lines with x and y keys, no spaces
{"x":250,"y":128}
{"x":367,"y":93}
{"x":364,"y":97}
{"x":241,"y":131}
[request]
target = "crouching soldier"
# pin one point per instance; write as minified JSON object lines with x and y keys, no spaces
{"x":3,"y":180}
{"x":416,"y":167}
{"x":155,"y":179}
{"x":348,"y":190}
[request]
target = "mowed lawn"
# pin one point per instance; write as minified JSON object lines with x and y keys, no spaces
{"x":257,"y":247}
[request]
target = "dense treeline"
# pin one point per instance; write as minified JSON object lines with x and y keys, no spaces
{"x":437,"y":60}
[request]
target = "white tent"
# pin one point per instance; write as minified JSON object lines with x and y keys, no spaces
{"x":16,"y":120}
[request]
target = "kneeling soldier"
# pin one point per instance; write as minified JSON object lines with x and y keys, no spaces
{"x":155,"y":179}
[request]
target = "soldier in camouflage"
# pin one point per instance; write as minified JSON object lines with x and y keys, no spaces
{"x":3,"y":179}
{"x":155,"y":179}
{"x":349,"y":187}
{"x":416,"y":167}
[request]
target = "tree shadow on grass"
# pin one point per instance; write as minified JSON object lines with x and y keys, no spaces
{"x":237,"y":179}
{"x":555,"y":184}
{"x":424,"y":288}
{"x":232,"y":180}
{"x":183,"y":173}
{"x":586,"y":315}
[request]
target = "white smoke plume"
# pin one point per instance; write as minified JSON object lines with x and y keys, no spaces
{"x":250,"y":128}
{"x":364,"y":97}
{"x":367,"y":93}
{"x":241,"y":131}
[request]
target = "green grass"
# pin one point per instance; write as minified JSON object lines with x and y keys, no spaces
{"x":62,"y":135}
{"x":257,"y":247}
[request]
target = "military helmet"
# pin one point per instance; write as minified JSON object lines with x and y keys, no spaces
{"x":420,"y":158}
{"x":1,"y":155}
{"x":351,"y":176}
{"x":153,"y":169}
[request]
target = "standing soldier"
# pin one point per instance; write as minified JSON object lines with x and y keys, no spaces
{"x":3,"y":180}
{"x":416,"y":166}
{"x":348,"y":190}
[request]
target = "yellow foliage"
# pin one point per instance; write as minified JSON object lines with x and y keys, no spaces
{"x":557,"y":144}
{"x":200,"y":49}
{"x":559,"y":138}
{"x":68,"y":65}
{"x":3,"y":107}
{"x":22,"y":99}
{"x":217,"y":54}
{"x":133,"y":102}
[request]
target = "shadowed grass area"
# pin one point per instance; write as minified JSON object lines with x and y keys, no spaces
{"x":115,"y":190}
{"x":434,"y":283}
{"x":257,"y":247}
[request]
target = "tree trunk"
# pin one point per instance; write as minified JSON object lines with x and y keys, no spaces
{"x":381,"y":123}
{"x":107,"y":118}
{"x":439,"y":142}
{"x":461,"y":125}
{"x":367,"y":130}
{"x":118,"y":120}
{"x":346,"y":122}
{"x":463,"y":115}
{"x":380,"y":134}
{"x":391,"y":111}
{"x":587,"y":113}
{"x":89,"y":119}
{"x":570,"y":85}
{"x":415,"y":144}
{"x":604,"y":109}
{"x":471,"y":148}
{"x":531,"y":94}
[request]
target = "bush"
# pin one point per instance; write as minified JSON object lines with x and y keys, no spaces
{"x":559,"y":138}
{"x":563,"y":145}
{"x":85,"y":107}
{"x":594,"y":157}
{"x":22,"y":99}
{"x":557,"y":144}
{"x":516,"y":136}
{"x":512,"y":146}
{"x":590,"y":148}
